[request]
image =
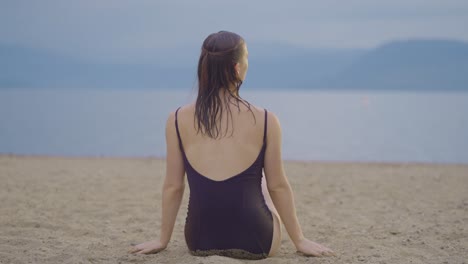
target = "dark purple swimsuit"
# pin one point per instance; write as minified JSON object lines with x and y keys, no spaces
{"x":229,"y":217}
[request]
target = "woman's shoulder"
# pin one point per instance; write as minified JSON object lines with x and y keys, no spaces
{"x":178,"y":112}
{"x":270,"y":114}
{"x":273,"y":123}
{"x":189,"y":110}
{"x":182,"y":109}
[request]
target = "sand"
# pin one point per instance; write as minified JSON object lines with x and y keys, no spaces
{"x":90,"y":210}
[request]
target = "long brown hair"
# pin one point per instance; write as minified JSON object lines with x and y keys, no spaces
{"x":219,"y":54}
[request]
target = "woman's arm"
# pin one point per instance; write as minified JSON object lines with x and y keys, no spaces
{"x":174,"y":185}
{"x":172,"y":191}
{"x":281,"y":192}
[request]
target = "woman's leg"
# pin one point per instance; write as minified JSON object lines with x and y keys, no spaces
{"x":276,"y":243}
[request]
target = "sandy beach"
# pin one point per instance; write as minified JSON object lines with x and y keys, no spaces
{"x":90,"y":210}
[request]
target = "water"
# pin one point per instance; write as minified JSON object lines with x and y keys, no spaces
{"x":317,"y":125}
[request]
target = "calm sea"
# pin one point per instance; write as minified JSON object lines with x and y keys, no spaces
{"x":317,"y":125}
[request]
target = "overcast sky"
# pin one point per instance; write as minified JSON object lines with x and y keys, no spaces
{"x":132,"y":30}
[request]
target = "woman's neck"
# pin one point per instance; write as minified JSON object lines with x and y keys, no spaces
{"x":233,"y":91}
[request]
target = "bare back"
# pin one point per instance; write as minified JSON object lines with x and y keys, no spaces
{"x":220,"y":159}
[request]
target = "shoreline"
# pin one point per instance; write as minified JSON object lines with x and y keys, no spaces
{"x":110,"y":157}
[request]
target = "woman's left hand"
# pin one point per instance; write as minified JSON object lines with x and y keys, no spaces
{"x":149,"y":247}
{"x":311,"y":248}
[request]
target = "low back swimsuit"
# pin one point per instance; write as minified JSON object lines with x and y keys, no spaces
{"x":229,"y":217}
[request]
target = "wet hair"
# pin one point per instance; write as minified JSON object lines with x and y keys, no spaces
{"x":216,"y":71}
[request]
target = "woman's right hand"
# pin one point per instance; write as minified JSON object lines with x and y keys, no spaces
{"x":310,"y":248}
{"x":149,"y":247}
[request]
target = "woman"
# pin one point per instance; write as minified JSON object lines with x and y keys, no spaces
{"x":218,"y":136}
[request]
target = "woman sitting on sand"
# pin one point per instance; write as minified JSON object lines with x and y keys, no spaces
{"x":223,"y":143}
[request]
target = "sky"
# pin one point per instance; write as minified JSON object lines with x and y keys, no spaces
{"x":123,"y":31}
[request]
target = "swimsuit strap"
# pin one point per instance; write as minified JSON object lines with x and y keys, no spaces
{"x":265,"y":129}
{"x":177,"y":129}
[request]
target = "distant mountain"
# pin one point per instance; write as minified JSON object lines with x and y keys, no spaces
{"x":408,"y":65}
{"x":34,"y":68}
{"x":404,"y":65}
{"x":290,"y":68}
